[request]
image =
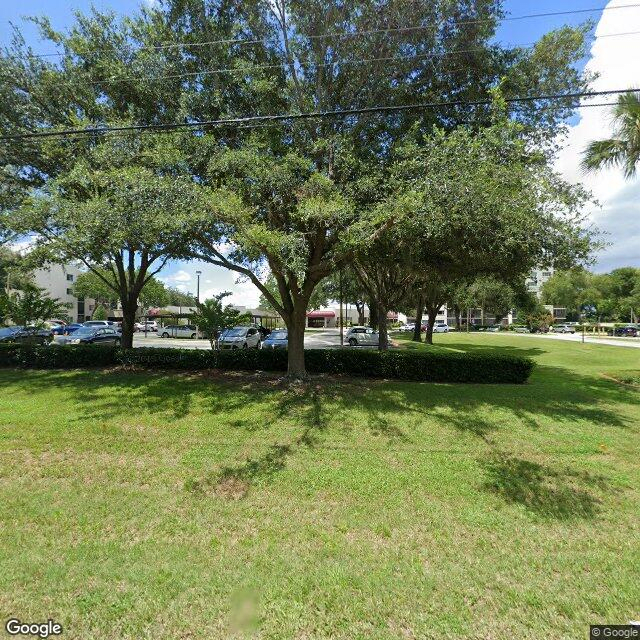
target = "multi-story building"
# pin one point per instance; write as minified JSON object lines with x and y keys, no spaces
{"x":57,"y":280}
{"x":537,"y":278}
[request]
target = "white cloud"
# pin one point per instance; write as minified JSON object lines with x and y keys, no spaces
{"x":617,"y":61}
{"x":180,"y":276}
{"x":23,"y":246}
{"x":212,"y":281}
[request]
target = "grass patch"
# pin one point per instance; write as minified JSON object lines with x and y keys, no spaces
{"x":631,"y":378}
{"x":157,"y":505}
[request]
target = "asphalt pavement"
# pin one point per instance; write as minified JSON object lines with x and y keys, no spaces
{"x":330,"y":338}
{"x":325,"y":339}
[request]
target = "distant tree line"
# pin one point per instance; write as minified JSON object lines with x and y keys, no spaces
{"x":602,"y":297}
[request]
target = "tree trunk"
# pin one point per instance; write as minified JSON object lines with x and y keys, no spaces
{"x":458,"y":313}
{"x":295,"y":344}
{"x":128,"y":325}
{"x":417,"y":330}
{"x":373,"y":314}
{"x":360,"y":308}
{"x":432,"y":312}
{"x":383,"y":337}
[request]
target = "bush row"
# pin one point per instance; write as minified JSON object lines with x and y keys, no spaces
{"x":402,"y":365}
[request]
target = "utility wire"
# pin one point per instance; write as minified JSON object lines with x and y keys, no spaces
{"x":203,"y":124}
{"x":80,"y":135}
{"x":340,"y":63}
{"x":353,"y":34}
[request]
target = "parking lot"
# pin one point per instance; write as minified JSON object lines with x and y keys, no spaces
{"x":325,"y":339}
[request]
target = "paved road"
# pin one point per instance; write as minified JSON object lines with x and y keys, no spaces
{"x":312,"y":340}
{"x":330,"y":338}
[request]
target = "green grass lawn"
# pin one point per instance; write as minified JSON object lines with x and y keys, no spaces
{"x":147,"y":505}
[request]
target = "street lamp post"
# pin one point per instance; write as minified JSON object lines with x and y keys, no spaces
{"x":198,"y":274}
{"x":341,"y":320}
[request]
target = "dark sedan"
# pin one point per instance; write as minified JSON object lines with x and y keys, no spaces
{"x":277,"y":339}
{"x":7,"y":333}
{"x":26,"y":335}
{"x":630,"y":330}
{"x":65,"y":329}
{"x":95,"y":335}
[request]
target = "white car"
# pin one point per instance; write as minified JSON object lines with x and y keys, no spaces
{"x":563,"y":328}
{"x":362,"y":337}
{"x":149,"y":325}
{"x":179,"y":331}
{"x":97,"y":323}
{"x":240,"y":338}
{"x":441,"y":327}
{"x":521,"y":329}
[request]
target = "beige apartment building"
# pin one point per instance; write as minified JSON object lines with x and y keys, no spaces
{"x":58,"y":280}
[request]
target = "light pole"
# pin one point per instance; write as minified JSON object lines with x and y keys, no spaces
{"x":341,"y":320}
{"x":198,"y":274}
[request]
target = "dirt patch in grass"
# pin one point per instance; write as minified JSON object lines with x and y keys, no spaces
{"x":626,"y":378}
{"x":231,"y":488}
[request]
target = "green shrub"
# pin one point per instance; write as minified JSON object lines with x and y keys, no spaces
{"x":400,"y":365}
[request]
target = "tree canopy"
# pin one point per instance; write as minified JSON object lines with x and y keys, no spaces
{"x":613,"y":296}
{"x":123,"y":211}
{"x":300,"y":198}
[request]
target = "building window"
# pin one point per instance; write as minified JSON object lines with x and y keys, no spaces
{"x":69,"y":292}
{"x":546,"y":274}
{"x":69,"y":277}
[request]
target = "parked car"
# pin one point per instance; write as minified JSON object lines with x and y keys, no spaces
{"x":521,"y":329}
{"x":563,"y":328}
{"x":7,"y":333}
{"x":495,"y":328}
{"x":264,"y":332}
{"x":54,"y":324}
{"x":65,"y":329}
{"x":441,"y":327}
{"x":277,"y":339}
{"x":630,"y":330}
{"x":362,"y":336}
{"x":147,"y":325}
{"x":96,"y":323}
{"x":95,"y":335}
{"x":240,"y":338}
{"x":408,"y":327}
{"x":34,"y":335}
{"x":179,"y":331}
{"x":26,"y":335}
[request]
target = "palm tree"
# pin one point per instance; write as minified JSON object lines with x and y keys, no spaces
{"x":623,"y":150}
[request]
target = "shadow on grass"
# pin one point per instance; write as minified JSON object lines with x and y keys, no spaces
{"x":558,"y":396}
{"x":542,"y":490}
{"x":234,"y":481}
{"x":470,"y":347}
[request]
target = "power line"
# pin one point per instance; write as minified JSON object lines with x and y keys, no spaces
{"x":307,"y":115}
{"x":281,"y":65}
{"x":83,"y":135}
{"x":353,"y":34}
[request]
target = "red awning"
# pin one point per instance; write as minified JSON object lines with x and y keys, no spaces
{"x":321,"y":314}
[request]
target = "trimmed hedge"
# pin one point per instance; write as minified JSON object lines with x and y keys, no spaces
{"x":401,"y":365}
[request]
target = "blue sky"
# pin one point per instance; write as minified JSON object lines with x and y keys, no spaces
{"x":616,"y":59}
{"x":61,"y":14}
